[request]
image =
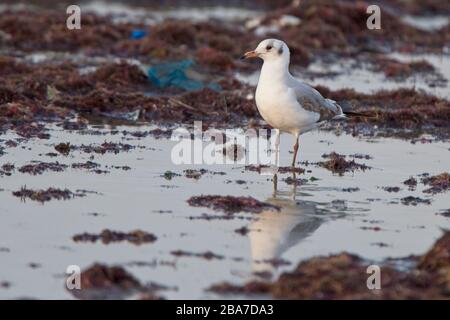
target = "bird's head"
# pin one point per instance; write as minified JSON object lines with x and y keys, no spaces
{"x":269,"y":50}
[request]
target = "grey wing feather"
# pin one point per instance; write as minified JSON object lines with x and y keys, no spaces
{"x":310,"y":99}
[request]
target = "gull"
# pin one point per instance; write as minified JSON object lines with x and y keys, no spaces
{"x":284,"y":102}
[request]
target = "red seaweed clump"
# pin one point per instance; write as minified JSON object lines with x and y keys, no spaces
{"x":102,"y":277}
{"x":414,"y":201}
{"x":89,"y":165}
{"x":119,"y":76}
{"x":230,"y":204}
{"x":46,"y":195}
{"x":411,"y":182}
{"x":63,"y":148}
{"x":46,"y":30}
{"x":396,"y":69}
{"x":401,"y":109}
{"x":102,"y":282}
{"x":107,"y":236}
{"x":32,"y":130}
{"x":345,"y":276}
{"x":105,"y":147}
{"x":7,"y":169}
{"x":37,"y":168}
{"x":336,"y":163}
{"x":214,"y":59}
{"x":438,"y":257}
{"x":439,"y":183}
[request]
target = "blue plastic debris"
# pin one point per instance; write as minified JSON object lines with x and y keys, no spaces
{"x":138,"y":34}
{"x":173,"y":74}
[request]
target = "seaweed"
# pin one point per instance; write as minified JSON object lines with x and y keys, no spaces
{"x":344,"y":276}
{"x":107,"y":236}
{"x":230,"y":204}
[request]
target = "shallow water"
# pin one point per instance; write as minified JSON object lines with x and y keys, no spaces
{"x":322,"y":219}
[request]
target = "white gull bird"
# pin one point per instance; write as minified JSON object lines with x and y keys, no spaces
{"x":284,"y":102}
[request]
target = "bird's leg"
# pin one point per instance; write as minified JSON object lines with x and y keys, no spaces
{"x":275,"y":185}
{"x":295,"y":150}
{"x":277,"y":153}
{"x":277,"y":146}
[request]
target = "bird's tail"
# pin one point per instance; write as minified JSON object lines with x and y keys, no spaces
{"x":347,"y":111}
{"x":352,"y":114}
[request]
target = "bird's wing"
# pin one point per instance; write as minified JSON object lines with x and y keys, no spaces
{"x":311,"y":100}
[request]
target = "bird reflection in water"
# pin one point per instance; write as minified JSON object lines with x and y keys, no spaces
{"x":274,"y":232}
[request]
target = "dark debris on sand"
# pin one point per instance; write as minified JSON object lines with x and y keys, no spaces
{"x":156,"y":133}
{"x":260,"y":168}
{"x":438,"y":183}
{"x":337,"y":163}
{"x":296,"y":181}
{"x":230,"y":204}
{"x":411,"y":182}
{"x":102,"y":282}
{"x":48,"y":194}
{"x":414,"y":201}
{"x":89,"y":165}
{"x":445,"y":213}
{"x":198,"y":173}
{"x":391,"y":189}
{"x":63,"y":148}
{"x":105,"y":147}
{"x":7,"y":169}
{"x":344,"y":276}
{"x":208,"y":255}
{"x":37,"y":168}
{"x":107,"y":236}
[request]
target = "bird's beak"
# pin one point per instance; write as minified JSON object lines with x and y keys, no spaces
{"x":250,"y":54}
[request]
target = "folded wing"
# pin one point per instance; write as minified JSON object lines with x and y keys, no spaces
{"x":311,"y":100}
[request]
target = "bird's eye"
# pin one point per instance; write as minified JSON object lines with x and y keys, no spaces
{"x":268,"y":47}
